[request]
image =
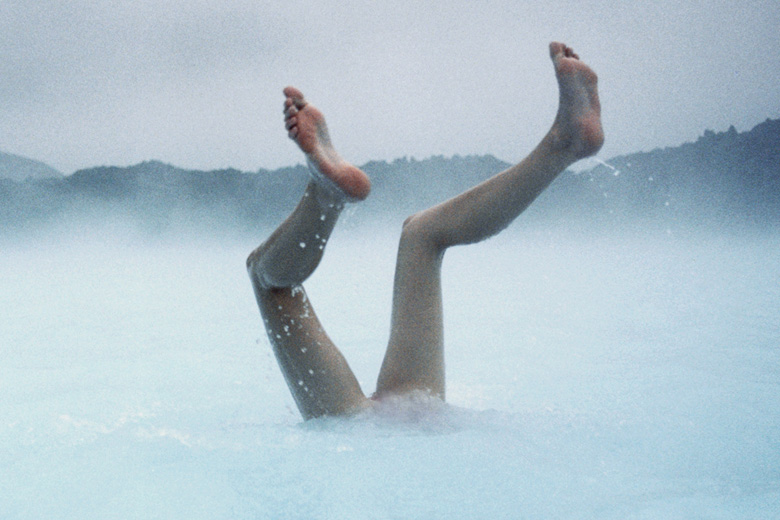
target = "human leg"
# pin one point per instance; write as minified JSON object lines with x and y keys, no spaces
{"x":318,"y":375}
{"x":415,"y":355}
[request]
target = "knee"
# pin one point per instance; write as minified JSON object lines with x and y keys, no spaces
{"x":268,"y":272}
{"x":254,"y":267}
{"x":252,"y":261}
{"x":413,"y":226}
{"x":418,"y":229}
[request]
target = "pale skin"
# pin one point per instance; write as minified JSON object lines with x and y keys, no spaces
{"x":315,"y":370}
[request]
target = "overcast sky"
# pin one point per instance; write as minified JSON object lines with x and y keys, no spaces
{"x":198,"y":83}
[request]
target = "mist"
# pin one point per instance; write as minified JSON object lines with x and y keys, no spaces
{"x":612,"y":354}
{"x":594,"y":370}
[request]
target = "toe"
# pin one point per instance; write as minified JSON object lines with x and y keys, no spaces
{"x":292,"y":92}
{"x":556,"y":49}
{"x":296,"y":96}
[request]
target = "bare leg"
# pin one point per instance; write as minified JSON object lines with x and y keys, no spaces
{"x":318,"y":375}
{"x":415,"y":355}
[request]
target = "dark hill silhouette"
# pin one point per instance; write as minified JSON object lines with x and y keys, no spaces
{"x":722,"y":179}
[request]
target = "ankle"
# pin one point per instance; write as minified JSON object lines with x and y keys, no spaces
{"x":577,"y":140}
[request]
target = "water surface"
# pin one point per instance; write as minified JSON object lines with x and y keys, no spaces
{"x":603,"y":376}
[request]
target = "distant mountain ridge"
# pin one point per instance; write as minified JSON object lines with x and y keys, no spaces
{"x":18,"y":168}
{"x":723,"y":179}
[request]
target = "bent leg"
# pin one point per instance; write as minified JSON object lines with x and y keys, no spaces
{"x":415,"y":355}
{"x":317,"y":374}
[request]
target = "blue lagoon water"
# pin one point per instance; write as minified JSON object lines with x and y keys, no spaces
{"x":605,"y":376}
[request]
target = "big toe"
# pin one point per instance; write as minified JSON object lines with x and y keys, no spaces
{"x":296,"y":95}
{"x":557,"y":49}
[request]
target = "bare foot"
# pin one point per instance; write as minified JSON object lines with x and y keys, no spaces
{"x":306,"y":126}
{"x":577,"y":125}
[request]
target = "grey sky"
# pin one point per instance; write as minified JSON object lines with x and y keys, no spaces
{"x":198,"y":83}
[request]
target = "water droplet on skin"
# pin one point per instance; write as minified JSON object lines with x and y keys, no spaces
{"x":278,"y":336}
{"x":300,"y":382}
{"x":322,"y":217}
{"x":311,"y":371}
{"x":302,"y":244}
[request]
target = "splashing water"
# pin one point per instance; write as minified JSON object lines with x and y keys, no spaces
{"x":615,"y":171}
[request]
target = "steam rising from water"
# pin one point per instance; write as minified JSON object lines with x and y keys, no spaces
{"x":599,"y":376}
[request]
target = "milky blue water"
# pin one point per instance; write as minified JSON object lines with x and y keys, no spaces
{"x":589,"y":376}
